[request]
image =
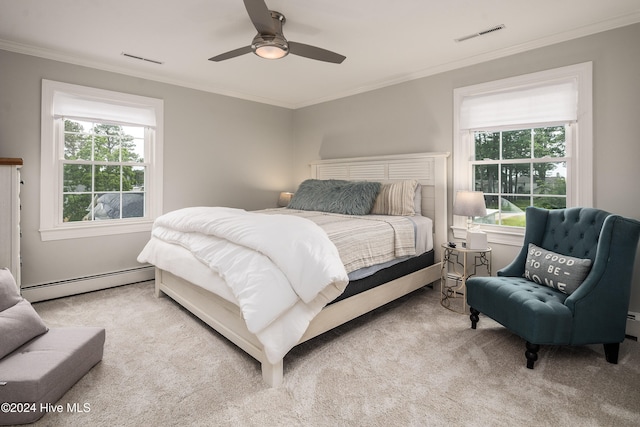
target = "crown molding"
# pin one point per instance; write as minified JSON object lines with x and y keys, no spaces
{"x":571,"y":34}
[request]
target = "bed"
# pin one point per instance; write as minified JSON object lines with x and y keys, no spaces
{"x":206,"y":292}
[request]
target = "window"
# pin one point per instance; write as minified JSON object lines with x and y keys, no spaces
{"x":101,"y":162}
{"x":524,"y":141}
{"x":519,"y":168}
{"x":103,"y":171}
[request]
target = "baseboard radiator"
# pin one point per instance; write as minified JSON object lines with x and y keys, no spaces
{"x":79,"y":285}
{"x":633,"y":325}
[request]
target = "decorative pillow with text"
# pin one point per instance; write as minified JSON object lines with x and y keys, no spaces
{"x":561,"y":272}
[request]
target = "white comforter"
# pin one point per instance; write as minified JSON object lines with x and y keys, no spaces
{"x":277,"y":267}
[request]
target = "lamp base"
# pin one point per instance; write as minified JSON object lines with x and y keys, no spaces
{"x":476,"y":239}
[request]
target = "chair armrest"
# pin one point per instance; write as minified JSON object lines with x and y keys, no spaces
{"x":601,"y":302}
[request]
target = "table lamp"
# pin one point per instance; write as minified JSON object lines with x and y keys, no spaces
{"x":471,"y":204}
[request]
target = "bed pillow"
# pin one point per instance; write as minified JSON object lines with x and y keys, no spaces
{"x":19,"y":322}
{"x":335,"y":196}
{"x":554,"y":270}
{"x":417,"y":200}
{"x":396,"y":199}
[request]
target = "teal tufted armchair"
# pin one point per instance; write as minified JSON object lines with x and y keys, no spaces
{"x":595,"y":313}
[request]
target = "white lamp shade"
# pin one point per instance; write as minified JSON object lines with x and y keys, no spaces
{"x":469,"y":204}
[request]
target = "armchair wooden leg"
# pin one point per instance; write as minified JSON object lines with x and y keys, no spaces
{"x":611,"y":352}
{"x":531,"y":354}
{"x":474,"y":317}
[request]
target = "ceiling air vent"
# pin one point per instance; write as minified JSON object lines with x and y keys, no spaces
{"x":481,"y":33}
{"x":128,"y":55}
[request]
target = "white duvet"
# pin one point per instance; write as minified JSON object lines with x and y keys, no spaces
{"x":282,"y":270}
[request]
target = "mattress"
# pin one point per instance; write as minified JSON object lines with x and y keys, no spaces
{"x":423,"y":234}
{"x":386,"y":274}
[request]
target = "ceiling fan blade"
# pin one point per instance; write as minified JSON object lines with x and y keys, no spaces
{"x":313,"y":52}
{"x":231,"y":54}
{"x":260,"y":16}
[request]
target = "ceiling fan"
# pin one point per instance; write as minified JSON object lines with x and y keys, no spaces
{"x":270,"y":43}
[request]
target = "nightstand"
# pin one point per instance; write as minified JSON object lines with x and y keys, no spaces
{"x":458,"y":264}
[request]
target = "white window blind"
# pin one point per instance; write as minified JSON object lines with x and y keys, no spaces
{"x":85,"y":107}
{"x":551,"y":103}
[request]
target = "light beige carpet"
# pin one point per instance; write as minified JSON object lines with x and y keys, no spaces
{"x":411,"y":363}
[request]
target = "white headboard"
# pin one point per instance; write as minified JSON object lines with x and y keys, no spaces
{"x":430,"y":169}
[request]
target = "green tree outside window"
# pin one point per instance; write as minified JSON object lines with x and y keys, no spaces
{"x":518,"y":168}
{"x":102,"y":162}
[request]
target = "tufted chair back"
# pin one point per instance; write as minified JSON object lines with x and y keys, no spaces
{"x":574,"y":232}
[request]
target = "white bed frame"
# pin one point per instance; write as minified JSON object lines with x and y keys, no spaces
{"x":430,"y":169}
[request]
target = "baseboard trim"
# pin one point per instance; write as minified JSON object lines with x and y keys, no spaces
{"x":633,"y":329}
{"x":80,"y":285}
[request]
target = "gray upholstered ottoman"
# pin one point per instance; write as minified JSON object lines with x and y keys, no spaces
{"x":42,"y":370}
{"x":37,"y":364}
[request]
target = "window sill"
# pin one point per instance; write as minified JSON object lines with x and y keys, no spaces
{"x":94,"y":229}
{"x":510,"y":236}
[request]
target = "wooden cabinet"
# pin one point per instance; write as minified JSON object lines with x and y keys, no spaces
{"x":10,"y":215}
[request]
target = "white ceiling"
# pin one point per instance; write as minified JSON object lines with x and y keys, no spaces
{"x":385,"y":42}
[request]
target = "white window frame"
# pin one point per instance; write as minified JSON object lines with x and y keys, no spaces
{"x":579,"y":144}
{"x":52,"y":152}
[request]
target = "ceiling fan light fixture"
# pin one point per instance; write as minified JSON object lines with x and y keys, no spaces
{"x":270,"y":47}
{"x":270,"y":43}
{"x":271,"y":51}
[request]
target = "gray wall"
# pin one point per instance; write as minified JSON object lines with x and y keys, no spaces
{"x":217,"y":151}
{"x":224,"y":151}
{"x":418,"y":116}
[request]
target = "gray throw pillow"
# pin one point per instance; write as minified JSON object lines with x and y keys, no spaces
{"x":18,"y":325}
{"x":561,"y":272}
{"x":9,"y":295}
{"x":19,"y":322}
{"x":335,"y":196}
